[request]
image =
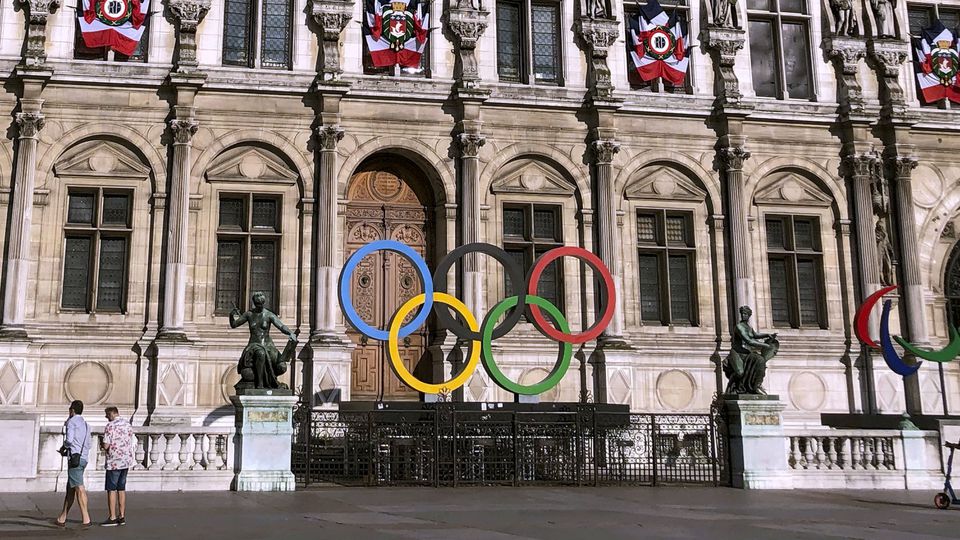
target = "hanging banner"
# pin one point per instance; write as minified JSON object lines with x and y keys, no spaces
{"x":937,"y":63}
{"x":659,"y":44}
{"x":396,"y":32}
{"x":117,"y":24}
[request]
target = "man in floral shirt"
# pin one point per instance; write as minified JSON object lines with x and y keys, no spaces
{"x":117,"y":442}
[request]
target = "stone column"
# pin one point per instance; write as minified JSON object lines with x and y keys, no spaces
{"x":183,"y":127}
{"x":604,"y":151}
{"x":901,"y":169}
{"x":732,"y":156}
{"x":332,"y":16}
{"x":187,"y":14}
{"x":35,"y":55}
{"x":470,"y":144}
{"x":467,"y":23}
{"x":325,"y":303}
{"x":29,"y":124}
{"x":859,"y":169}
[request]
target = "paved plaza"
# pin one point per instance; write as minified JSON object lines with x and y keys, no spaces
{"x":498,"y":514}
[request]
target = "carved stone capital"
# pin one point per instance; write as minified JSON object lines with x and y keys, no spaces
{"x":886,"y":56}
{"x":332,"y":16}
{"x":35,"y":55}
{"x":723,"y":43}
{"x":30,"y":124}
{"x":859,"y":165}
{"x":902,"y":166}
{"x":329,"y":136}
{"x":39,"y":10}
{"x":733,"y":157}
{"x":467,"y":24}
{"x":846,"y":53}
{"x":183,"y":129}
{"x":604,"y":151}
{"x":188,"y":13}
{"x":470,"y":144}
{"x":596,"y":36}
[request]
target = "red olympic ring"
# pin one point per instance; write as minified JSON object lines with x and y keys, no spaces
{"x":598,"y":267}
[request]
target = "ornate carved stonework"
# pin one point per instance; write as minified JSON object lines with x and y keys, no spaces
{"x":188,"y":14}
{"x":859,"y":164}
{"x":604,"y":150}
{"x":470,"y":144}
{"x":902,"y":166}
{"x":35,"y":55}
{"x":329,"y":136}
{"x":332,"y":16}
{"x":30,"y":124}
{"x":467,"y":25}
{"x":724,"y":43}
{"x":597,"y":35}
{"x":733,"y":157}
{"x":846,"y":53}
{"x":886,"y":57}
{"x":183,"y":129}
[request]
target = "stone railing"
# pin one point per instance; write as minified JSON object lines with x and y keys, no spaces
{"x":168,"y":458}
{"x":871,"y":459}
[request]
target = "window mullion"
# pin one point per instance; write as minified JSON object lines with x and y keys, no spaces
{"x":529,"y":72}
{"x":256,"y":19}
{"x":94,"y":272}
{"x":794,"y":291}
{"x":781,"y":64}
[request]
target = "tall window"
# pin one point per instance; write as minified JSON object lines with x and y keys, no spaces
{"x":530,"y":230}
{"x":97,"y":239}
{"x":258,"y":33}
{"x":780,"y":48}
{"x":682,"y":10}
{"x":667,"y":272}
{"x":248,"y":250}
{"x":82,"y":52}
{"x":795,"y":258}
{"x":528,"y":42}
{"x":922,"y":16}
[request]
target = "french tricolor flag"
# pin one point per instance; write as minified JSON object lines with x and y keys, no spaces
{"x":659,"y":44}
{"x":118,"y":24}
{"x":937,"y":61}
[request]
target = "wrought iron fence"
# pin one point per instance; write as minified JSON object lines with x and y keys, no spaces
{"x":445,"y":445}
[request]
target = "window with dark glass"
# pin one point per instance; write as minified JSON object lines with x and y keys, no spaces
{"x":666,"y":255}
{"x":780,"y":48}
{"x":795,"y":260}
{"x":529,"y":231}
{"x":248,"y":250}
{"x":96,"y":245}
{"x":528,"y":42}
{"x":258,"y":33}
{"x":82,"y":52}
{"x":682,"y":9}
{"x":921,"y":16}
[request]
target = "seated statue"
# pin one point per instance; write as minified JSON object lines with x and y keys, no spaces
{"x":261,"y":363}
{"x":746,"y":365}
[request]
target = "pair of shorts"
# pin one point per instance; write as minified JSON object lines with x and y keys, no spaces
{"x":116,"y":480}
{"x":75,"y":474}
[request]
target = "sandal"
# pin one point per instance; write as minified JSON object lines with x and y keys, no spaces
{"x":60,"y":524}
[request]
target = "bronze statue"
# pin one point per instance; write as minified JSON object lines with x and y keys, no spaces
{"x":261,"y":363}
{"x":746,"y":365}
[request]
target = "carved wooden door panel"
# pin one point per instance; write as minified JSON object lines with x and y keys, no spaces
{"x":383,"y":206}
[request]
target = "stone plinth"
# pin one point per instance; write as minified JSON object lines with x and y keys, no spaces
{"x":758,"y":448}
{"x":263,"y":441}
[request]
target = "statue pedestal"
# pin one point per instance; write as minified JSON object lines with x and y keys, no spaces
{"x":263,"y":441}
{"x":758,"y":449}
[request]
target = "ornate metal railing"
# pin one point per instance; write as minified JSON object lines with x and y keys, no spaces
{"x":446,"y":445}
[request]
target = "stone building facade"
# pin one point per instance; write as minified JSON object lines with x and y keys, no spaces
{"x":250,"y":145}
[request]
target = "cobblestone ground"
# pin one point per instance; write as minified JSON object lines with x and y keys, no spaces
{"x":496,"y":513}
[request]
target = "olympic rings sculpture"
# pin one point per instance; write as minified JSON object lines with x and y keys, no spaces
{"x":523,"y":296}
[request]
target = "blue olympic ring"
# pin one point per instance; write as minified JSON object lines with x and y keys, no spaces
{"x":347,"y":303}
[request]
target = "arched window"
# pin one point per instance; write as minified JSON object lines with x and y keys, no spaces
{"x":951,"y":288}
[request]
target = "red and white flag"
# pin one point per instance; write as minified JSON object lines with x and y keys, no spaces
{"x":659,"y":44}
{"x":937,"y":63}
{"x":117,"y":24}
{"x":396,"y":32}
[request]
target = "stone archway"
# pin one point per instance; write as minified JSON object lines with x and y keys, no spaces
{"x":387,"y":200}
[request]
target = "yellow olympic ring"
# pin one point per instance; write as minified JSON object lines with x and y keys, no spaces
{"x":394,"y":347}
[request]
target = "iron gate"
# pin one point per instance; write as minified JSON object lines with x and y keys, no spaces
{"x":445,"y":445}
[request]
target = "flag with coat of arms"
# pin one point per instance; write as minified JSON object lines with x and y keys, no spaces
{"x":118,"y":24}
{"x":659,"y":44}
{"x":396,"y":32}
{"x":937,"y":63}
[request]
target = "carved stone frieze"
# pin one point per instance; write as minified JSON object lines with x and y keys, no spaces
{"x":183,"y":129}
{"x":187,"y":14}
{"x":329,"y":136}
{"x":467,"y":24}
{"x":470,"y":144}
{"x":604,"y":150}
{"x":30,"y":124}
{"x":723,"y":43}
{"x":596,"y":36}
{"x":332,"y":16}
{"x":35,"y":55}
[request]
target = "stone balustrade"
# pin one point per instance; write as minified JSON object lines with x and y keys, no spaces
{"x":869,"y":459}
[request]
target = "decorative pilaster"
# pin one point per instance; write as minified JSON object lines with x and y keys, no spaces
{"x":724,"y":42}
{"x":467,"y":23}
{"x":187,"y":15}
{"x":325,"y":300}
{"x":470,"y":144}
{"x":846,"y":53}
{"x":732,"y":157}
{"x":182,"y":129}
{"x":35,"y":55}
{"x":332,"y":16}
{"x":597,"y":34}
{"x":604,"y":150}
{"x":29,"y":124}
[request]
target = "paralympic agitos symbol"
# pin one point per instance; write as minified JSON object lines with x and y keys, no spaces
{"x":523,"y":293}
{"x":890,"y":356}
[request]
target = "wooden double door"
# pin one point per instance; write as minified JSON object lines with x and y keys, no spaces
{"x":383,"y":205}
